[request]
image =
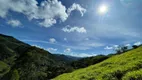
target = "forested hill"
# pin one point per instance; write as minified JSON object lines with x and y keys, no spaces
{"x":19,"y":60}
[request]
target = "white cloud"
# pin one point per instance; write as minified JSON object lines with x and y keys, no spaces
{"x":52,"y":40}
{"x":26,"y":7}
{"x":111,"y":47}
{"x":128,"y":45}
{"x":137,"y":43}
{"x":82,"y":54}
{"x":52,"y":49}
{"x":73,"y":29}
{"x":48,"y":22}
{"x":14,"y":23}
{"x":48,"y":11}
{"x":108,"y":48}
{"x":76,"y":7}
{"x":115,"y":46}
{"x":37,"y":46}
{"x":67,"y":50}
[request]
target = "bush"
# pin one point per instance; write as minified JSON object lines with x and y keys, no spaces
{"x":135,"y":46}
{"x":121,"y":49}
{"x":134,"y":75}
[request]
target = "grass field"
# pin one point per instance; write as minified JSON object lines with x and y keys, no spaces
{"x":126,"y":66}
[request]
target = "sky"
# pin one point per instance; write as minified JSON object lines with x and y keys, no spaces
{"x":80,"y":28}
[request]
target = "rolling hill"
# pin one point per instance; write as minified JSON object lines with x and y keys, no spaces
{"x":126,"y":66}
{"x":19,"y":60}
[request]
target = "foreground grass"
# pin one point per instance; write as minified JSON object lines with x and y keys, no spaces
{"x":127,"y":66}
{"x":134,"y":75}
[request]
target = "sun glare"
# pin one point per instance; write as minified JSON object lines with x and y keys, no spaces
{"x":103,"y":9}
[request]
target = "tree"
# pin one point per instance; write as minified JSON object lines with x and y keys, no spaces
{"x":135,"y":46}
{"x":121,"y":49}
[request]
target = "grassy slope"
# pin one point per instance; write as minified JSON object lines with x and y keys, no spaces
{"x":127,"y":66}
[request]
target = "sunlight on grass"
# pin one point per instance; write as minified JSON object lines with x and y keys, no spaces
{"x":125,"y":66}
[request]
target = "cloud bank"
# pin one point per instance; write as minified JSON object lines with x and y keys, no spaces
{"x":137,"y":43}
{"x":47,"y":11}
{"x":82,"y":54}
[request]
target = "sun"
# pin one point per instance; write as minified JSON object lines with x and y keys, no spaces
{"x":103,"y":9}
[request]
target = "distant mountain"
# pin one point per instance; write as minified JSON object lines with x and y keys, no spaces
{"x":85,"y":62}
{"x":125,"y":66}
{"x":67,"y":58}
{"x":20,"y":61}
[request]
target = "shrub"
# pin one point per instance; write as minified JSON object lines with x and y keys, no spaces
{"x":134,"y":75}
{"x":135,"y":46}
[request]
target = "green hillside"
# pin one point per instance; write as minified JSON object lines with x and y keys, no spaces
{"x":20,"y":61}
{"x":126,"y":66}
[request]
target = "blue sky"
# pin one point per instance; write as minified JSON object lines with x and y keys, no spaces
{"x":73,"y":27}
